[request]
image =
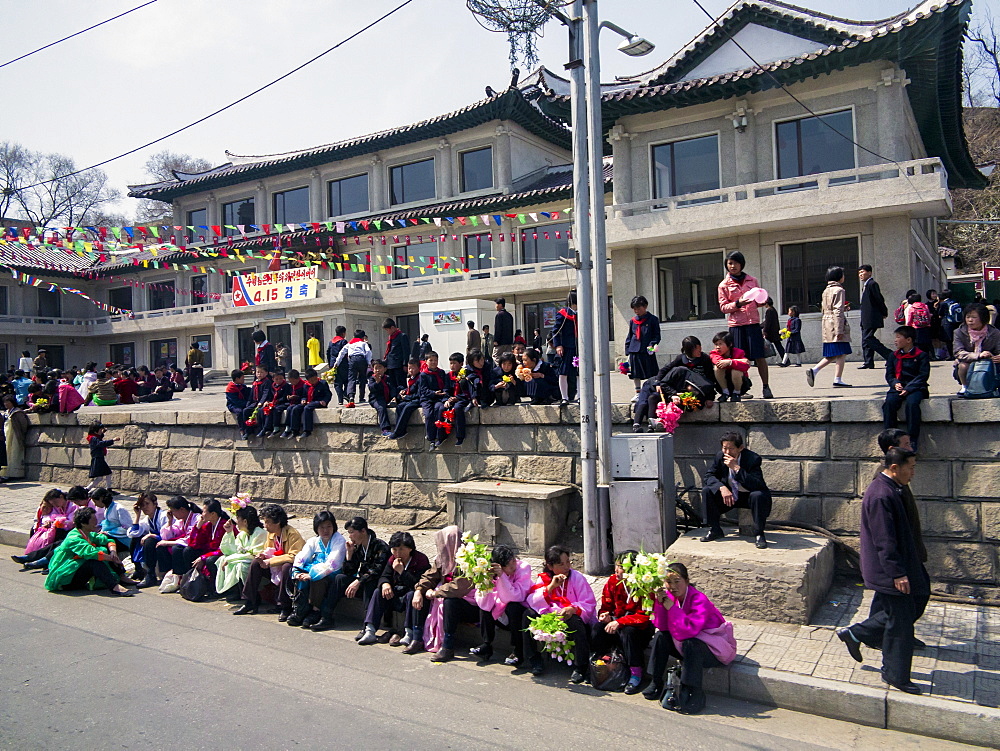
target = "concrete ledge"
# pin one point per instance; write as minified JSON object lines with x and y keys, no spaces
{"x":938,"y":718}
{"x":17,"y":538}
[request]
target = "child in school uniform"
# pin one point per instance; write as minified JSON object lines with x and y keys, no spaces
{"x":641,"y":342}
{"x":237,"y":397}
{"x":543,"y":386}
{"x":100,"y":472}
{"x":564,"y":337}
{"x":408,"y":399}
{"x":794,"y":348}
{"x":506,"y":385}
{"x":261,"y":393}
{"x":336,"y":344}
{"x":357,"y":355}
{"x":380,"y":394}
{"x":461,"y":392}
{"x":692,"y":370}
{"x":907,"y":371}
{"x":280,"y":390}
{"x":433,"y":390}
{"x":731,"y":367}
{"x":482,"y":379}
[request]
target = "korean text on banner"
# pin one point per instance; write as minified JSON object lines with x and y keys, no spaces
{"x":282,"y":286}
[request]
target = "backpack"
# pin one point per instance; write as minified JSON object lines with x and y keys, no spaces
{"x":982,"y":382}
{"x":954,"y":313}
{"x":921,"y":316}
{"x":900,"y":315}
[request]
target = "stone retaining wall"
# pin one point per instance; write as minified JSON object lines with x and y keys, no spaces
{"x":820,"y":456}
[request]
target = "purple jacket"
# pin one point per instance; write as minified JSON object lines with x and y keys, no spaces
{"x":697,"y":618}
{"x":888,"y":548}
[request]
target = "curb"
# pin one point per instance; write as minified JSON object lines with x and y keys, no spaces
{"x":16,"y":538}
{"x":881,"y":708}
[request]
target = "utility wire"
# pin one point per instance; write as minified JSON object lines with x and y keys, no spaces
{"x":342,"y":42}
{"x":82,"y":31}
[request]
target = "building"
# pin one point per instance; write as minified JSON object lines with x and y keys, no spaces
{"x":840,"y":149}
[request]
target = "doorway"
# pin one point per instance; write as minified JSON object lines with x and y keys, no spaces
{"x":312,"y":328}
{"x":55,"y":355}
{"x":162,"y":353}
{"x":123,"y":354}
{"x":281,"y":333}
{"x":245,"y":346}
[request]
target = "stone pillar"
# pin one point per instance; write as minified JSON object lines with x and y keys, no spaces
{"x":444,"y":174}
{"x":624,"y":284}
{"x":502,"y":166}
{"x":621,"y":144}
{"x":261,"y":209}
{"x":379,"y":191}
{"x":893,"y":260}
{"x":213,"y":211}
{"x":505,"y":252}
{"x":745,"y":147}
{"x":317,"y":199}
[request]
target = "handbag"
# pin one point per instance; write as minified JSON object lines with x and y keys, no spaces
{"x":171,"y":583}
{"x":982,"y":382}
{"x":769,"y":349}
{"x":609,"y":673}
{"x":194,"y":585}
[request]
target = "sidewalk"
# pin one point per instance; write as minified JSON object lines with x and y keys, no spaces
{"x":803,"y":668}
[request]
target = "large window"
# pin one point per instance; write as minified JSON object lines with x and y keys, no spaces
{"x":162,"y":353}
{"x":236,"y":213}
{"x":349,"y":196}
{"x":4,"y":304}
{"x":120,"y":297}
{"x":197,"y":219}
{"x":683,"y":167}
{"x":415,"y":260}
{"x":49,"y":304}
{"x":199,"y":286}
{"x":812,"y":145}
{"x":687,"y":286}
{"x":291,"y":206}
{"x":803,"y":272}
{"x":204,"y":343}
{"x":412,"y":182}
{"x":478,"y":254}
{"x":545,"y":243}
{"x":541,"y":316}
{"x":123,"y":354}
{"x":477,"y":169}
{"x":162,"y":295}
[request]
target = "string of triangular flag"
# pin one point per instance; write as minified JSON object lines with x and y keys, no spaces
{"x":34,"y":281}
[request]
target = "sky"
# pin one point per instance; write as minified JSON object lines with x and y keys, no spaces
{"x":165,"y":65}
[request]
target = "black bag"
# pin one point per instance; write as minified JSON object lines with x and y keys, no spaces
{"x":194,"y":585}
{"x":609,"y":673}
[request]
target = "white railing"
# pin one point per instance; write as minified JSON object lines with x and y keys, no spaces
{"x":824,"y":181}
{"x":491,"y":273}
{"x":47,"y":321}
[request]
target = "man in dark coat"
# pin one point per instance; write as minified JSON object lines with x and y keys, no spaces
{"x":503,"y":329}
{"x":891,"y":566}
{"x":397,"y":354}
{"x":336,"y":344}
{"x":264,"y":353}
{"x":735,"y":480}
{"x":873,"y":314}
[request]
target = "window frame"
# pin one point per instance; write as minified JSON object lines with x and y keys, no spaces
{"x":131,"y":289}
{"x":655,"y":272}
{"x":775,"y":166}
{"x":4,"y":300}
{"x":193,"y":233}
{"x":274,"y":205}
{"x":463,"y":188}
{"x":480,"y":272}
{"x":780,"y":303}
{"x":150,"y":291}
{"x":368,"y":194}
{"x":653,"y":145}
{"x":519,"y":245}
{"x":236,"y":203}
{"x":390,"y":168}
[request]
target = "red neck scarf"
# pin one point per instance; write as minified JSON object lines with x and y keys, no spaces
{"x":388,"y":344}
{"x":553,"y":599}
{"x":410,"y":383}
{"x":355,"y":340}
{"x":901,"y":355}
{"x":637,"y":324}
{"x":439,"y":377}
{"x":569,"y":316}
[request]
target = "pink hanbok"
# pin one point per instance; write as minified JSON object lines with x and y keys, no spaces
{"x":697,"y":618}
{"x":507,"y":589}
{"x":46,"y":526}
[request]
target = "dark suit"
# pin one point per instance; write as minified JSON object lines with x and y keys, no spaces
{"x":503,"y":331}
{"x":752,"y":493}
{"x":873,"y":315}
{"x":397,"y":352}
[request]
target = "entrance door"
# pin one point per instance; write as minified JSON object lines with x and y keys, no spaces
{"x":281,"y":333}
{"x":55,"y":354}
{"x":245,"y":346}
{"x":162,"y":353}
{"x":312,"y":328}
{"x":123,"y":354}
{"x":411,"y":326}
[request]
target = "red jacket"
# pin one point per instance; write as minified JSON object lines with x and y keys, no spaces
{"x":626,"y":611}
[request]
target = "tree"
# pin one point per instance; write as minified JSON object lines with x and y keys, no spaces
{"x":42,"y":189}
{"x":161,"y":167}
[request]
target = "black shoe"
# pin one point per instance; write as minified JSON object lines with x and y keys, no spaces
{"x":244,"y":436}
{"x":767,"y":393}
{"x":359,"y":635}
{"x":484,"y":652}
{"x":287,"y":434}
{"x":536,"y":666}
{"x":637,"y":428}
{"x":852,"y":644}
{"x":735,"y":398}
{"x":631,"y":688}
{"x":311,"y":619}
{"x":713,"y":534}
{"x":324,"y":624}
{"x":284,"y":615}
{"x":811,"y":377}
{"x":292,"y":620}
{"x":653,"y":692}
{"x":866,"y":367}
{"x":695,"y":701}
{"x":305,"y":434}
{"x":22,"y":559}
{"x":512,"y":661}
{"x":723,"y":398}
{"x":263,"y":434}
{"x":909,"y":687}
{"x":577,"y":676}
{"x":246,"y":610}
{"x":149,"y":581}
{"x":761,"y":542}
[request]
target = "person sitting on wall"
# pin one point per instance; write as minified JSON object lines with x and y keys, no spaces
{"x":408,"y":399}
{"x":269,"y":414}
{"x":434,"y":393}
{"x":543,"y":385}
{"x":260,"y":394}
{"x":507,"y":387}
{"x":974,"y":341}
{"x":907,"y":371}
{"x":301,"y":416}
{"x":692,"y":370}
{"x":237,"y":397}
{"x":481,"y":377}
{"x":735,"y":480}
{"x":380,"y":393}
{"x":731,"y":367}
{"x":297,"y":388}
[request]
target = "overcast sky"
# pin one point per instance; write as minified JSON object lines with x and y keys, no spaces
{"x":133,"y":80}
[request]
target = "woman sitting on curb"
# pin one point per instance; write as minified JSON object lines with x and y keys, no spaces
{"x":243,"y":541}
{"x":87,"y":554}
{"x":621,"y":621}
{"x":504,"y":604}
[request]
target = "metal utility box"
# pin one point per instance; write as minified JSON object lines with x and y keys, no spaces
{"x":643,"y":493}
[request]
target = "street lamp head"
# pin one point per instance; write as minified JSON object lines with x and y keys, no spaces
{"x":636,"y":46}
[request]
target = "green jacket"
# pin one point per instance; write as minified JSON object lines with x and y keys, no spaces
{"x":71,"y":552}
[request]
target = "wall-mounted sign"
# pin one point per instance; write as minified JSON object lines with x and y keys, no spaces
{"x":447,"y":316}
{"x":287,"y":285}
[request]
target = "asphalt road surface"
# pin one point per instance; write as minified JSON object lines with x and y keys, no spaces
{"x":88,"y":671}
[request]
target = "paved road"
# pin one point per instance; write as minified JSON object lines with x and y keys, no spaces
{"x":154,"y":671}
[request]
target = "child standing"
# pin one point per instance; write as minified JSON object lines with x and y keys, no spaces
{"x":100,"y":472}
{"x":906,"y":371}
{"x":731,"y":367}
{"x":358,"y":356}
{"x":564,"y":337}
{"x":641,"y":342}
{"x":795,"y":346}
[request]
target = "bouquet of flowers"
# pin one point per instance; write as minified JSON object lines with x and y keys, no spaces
{"x":267,"y":408}
{"x":448,"y":421}
{"x":644,"y":574}
{"x":463,"y":373}
{"x":524,"y":374}
{"x":623,"y":368}
{"x":41,"y":403}
{"x":330,"y":375}
{"x":238,"y":501}
{"x":550,"y":630}
{"x":508,"y":379}
{"x":653,"y":348}
{"x":785,"y":333}
{"x":576,"y":361}
{"x":472,"y":561}
{"x":669,"y":414}
{"x":689,"y":402}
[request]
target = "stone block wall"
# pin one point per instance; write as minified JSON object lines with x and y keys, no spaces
{"x":819,"y":458}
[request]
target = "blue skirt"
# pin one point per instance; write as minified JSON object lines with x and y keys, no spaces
{"x":836,"y":349}
{"x":750,"y":339}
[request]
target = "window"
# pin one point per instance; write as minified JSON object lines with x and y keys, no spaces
{"x":411,"y":266}
{"x":687,"y":286}
{"x":544,"y":243}
{"x":541,"y":316}
{"x":245,"y":346}
{"x":162,"y":295}
{"x":477,"y":169}
{"x":410,"y":325}
{"x":123,"y":354}
{"x":809,"y":146}
{"x":197,"y":219}
{"x":236,"y":213}
{"x":162,"y":353}
{"x":199,"y":288}
{"x":689,"y":166}
{"x":49,"y":304}
{"x":4,"y":304}
{"x":120,"y":297}
{"x":349,"y":196}
{"x":803,"y":272}
{"x":412,"y":182}
{"x":291,"y":206}
{"x":478,"y":254}
{"x":204,"y":343}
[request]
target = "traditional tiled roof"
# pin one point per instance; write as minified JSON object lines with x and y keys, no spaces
{"x":926,"y":42}
{"x":510,"y":105}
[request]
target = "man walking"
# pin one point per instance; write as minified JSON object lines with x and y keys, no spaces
{"x":503,"y":330}
{"x":891,"y":566}
{"x":873,"y":314}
